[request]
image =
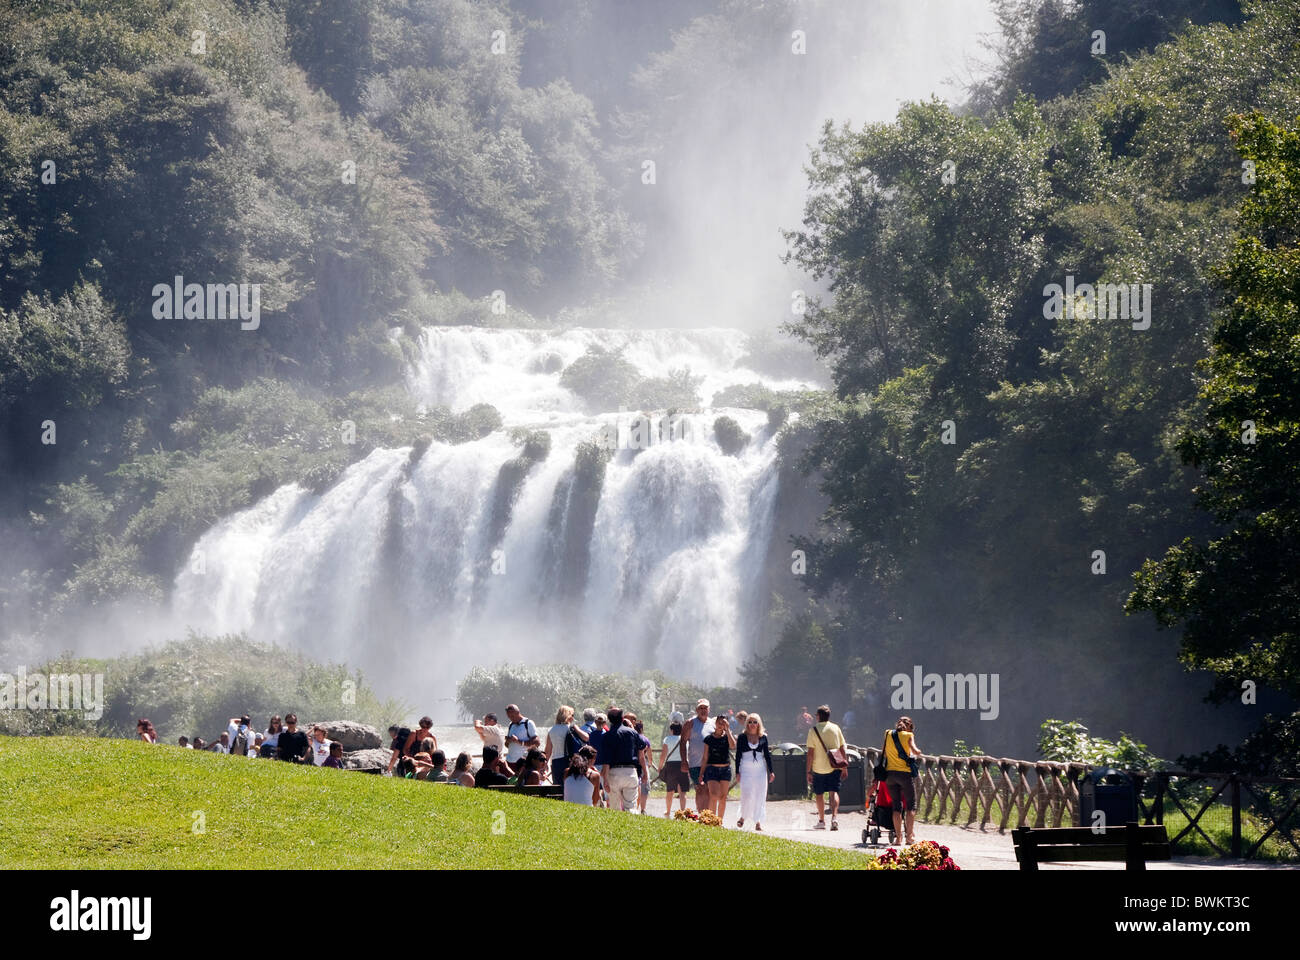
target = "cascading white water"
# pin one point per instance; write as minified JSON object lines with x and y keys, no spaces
{"x":407,"y":572}
{"x":401,"y":571}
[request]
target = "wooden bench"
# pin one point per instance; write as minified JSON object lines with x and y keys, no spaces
{"x":553,"y":791}
{"x":1133,"y":843}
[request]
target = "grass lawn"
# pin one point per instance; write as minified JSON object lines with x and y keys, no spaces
{"x":84,"y":803}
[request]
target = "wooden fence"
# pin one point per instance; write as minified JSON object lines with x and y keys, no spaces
{"x":1008,"y":793}
{"x":1011,"y":793}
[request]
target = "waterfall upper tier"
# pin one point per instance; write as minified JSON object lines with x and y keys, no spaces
{"x":519,"y":371}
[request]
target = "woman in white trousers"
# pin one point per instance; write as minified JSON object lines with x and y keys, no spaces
{"x":754,"y":771}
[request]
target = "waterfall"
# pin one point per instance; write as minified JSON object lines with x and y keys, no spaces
{"x":416,"y":568}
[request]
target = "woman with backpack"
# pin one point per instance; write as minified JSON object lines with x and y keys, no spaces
{"x":563,"y":740}
{"x":900,"y":770}
{"x":671,"y":755}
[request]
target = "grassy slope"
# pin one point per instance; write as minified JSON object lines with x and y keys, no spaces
{"x":78,"y":803}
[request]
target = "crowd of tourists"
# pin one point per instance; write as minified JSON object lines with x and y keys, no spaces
{"x":282,"y":740}
{"x":606,"y":759}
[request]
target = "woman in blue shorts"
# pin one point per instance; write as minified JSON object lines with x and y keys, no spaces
{"x":717,"y":765}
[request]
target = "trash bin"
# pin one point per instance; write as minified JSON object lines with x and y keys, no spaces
{"x":788,"y":765}
{"x":1111,"y":791}
{"x":853,"y":784}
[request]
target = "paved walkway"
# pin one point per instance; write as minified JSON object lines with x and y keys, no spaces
{"x":972,"y":848}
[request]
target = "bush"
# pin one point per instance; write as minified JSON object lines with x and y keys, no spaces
{"x":1271,"y":750}
{"x":746,"y":396}
{"x":474,"y":424}
{"x":777,"y":403}
{"x":536,"y":444}
{"x":194,"y":686}
{"x":62,"y":354}
{"x":601,"y":378}
{"x":731,"y":438}
{"x":539,"y":692}
{"x":1066,"y":741}
{"x":678,"y":389}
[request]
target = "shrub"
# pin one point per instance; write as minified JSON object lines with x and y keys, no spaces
{"x":474,"y":424}
{"x":539,"y":691}
{"x":678,"y":389}
{"x":601,"y":378}
{"x":731,"y":438}
{"x":194,"y":686}
{"x":1069,"y":741}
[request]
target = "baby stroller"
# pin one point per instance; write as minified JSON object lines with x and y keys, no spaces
{"x":880,"y":816}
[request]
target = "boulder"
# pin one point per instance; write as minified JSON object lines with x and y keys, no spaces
{"x":353,"y":736}
{"x":372,"y":759}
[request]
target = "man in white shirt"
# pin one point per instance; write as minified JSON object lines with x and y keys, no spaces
{"x":520,"y":736}
{"x":320,"y":746}
{"x":222,"y":745}
{"x":490,"y":732}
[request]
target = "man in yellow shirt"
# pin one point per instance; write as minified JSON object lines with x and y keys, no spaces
{"x":822,"y":775}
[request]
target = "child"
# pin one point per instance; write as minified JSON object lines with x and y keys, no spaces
{"x":882,"y":814}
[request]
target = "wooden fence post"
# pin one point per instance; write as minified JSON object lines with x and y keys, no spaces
{"x":1133,"y":859}
{"x":1235,"y":848}
{"x":1028,"y":849}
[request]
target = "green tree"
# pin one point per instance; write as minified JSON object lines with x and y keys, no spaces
{"x":1236,"y":597}
{"x":1047,"y":45}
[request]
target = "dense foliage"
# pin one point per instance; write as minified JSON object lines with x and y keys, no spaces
{"x":193,"y":687}
{"x":371,"y":165}
{"x":1069,"y":741}
{"x":1237,"y":596}
{"x":1052,"y":47}
{"x":540,"y":690}
{"x":983,"y":448}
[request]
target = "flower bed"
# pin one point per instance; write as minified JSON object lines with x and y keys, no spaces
{"x":925,"y":855}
